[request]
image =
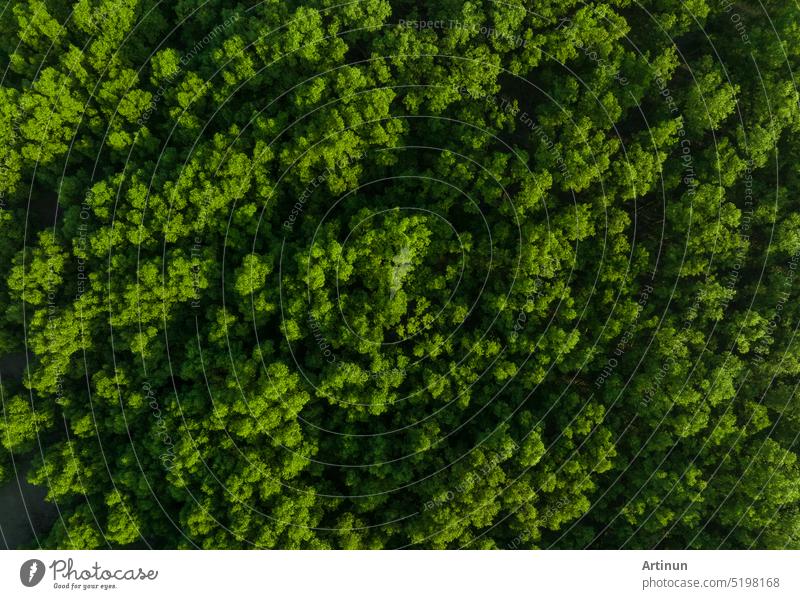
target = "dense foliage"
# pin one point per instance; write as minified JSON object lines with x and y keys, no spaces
{"x":383,"y":274}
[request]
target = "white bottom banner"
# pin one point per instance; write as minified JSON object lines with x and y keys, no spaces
{"x":402,"y":574}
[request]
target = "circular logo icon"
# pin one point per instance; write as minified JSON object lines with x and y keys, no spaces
{"x":31,"y":572}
